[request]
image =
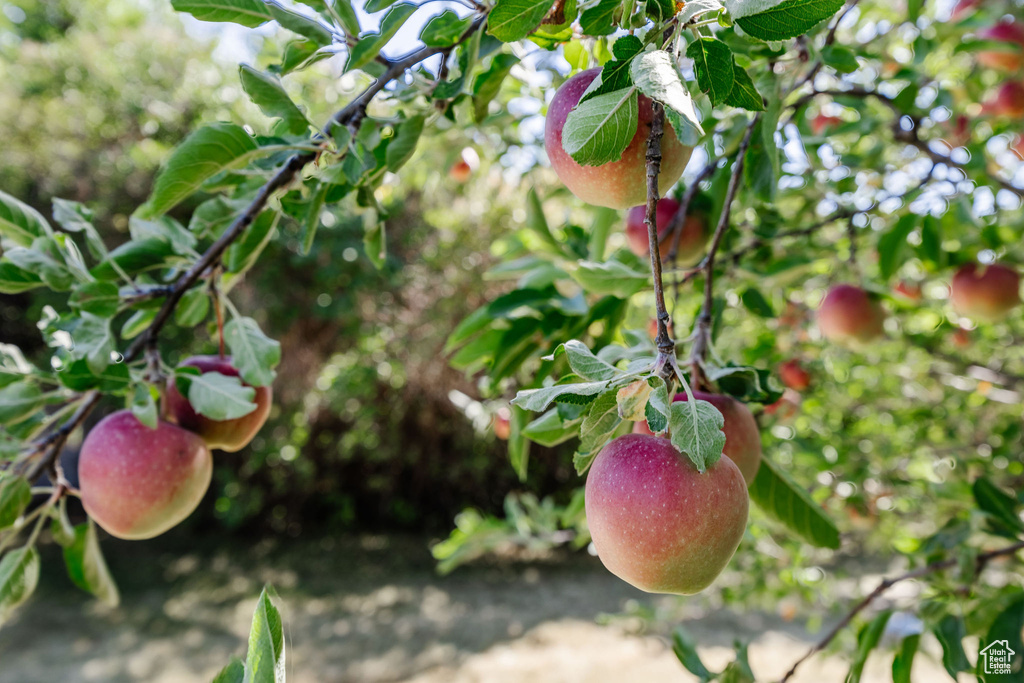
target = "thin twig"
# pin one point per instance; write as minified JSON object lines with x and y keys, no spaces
{"x":982,"y":560}
{"x":666,"y":346}
{"x":702,"y":336}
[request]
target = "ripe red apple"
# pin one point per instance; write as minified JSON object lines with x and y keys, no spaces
{"x":786,"y":408}
{"x":821,"y":123}
{"x":908,"y":290}
{"x":691,"y":240}
{"x":502,"y":424}
{"x":742,"y":438}
{"x":794,"y":376}
{"x":1008,"y":101}
{"x":138,"y":482}
{"x":961,"y":338}
{"x":656,"y":521}
{"x":460,"y":171}
{"x":963,"y":8}
{"x":985,"y":293}
{"x":226,"y":435}
{"x":849,"y":315}
{"x":617,"y":184}
{"x":1011,"y":58}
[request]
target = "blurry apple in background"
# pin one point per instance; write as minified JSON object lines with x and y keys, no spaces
{"x":1007,"y":102}
{"x":908,"y":290}
{"x":963,"y":9}
{"x":985,"y":293}
{"x":618,"y":184}
{"x":502,"y":423}
{"x":957,"y":131}
{"x":822,"y":123}
{"x":850,"y":316}
{"x":138,"y":482}
{"x":794,"y":376}
{"x":786,"y":408}
{"x":226,"y":435}
{"x":691,"y":239}
{"x":1011,"y":57}
{"x":462,"y":170}
{"x":652,"y":329}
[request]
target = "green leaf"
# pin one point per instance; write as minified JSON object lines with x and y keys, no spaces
{"x":79,"y":377}
{"x":755,"y":302}
{"x":686,"y":652}
{"x":43,"y":258}
{"x":788,"y":19}
{"x":611,"y":277}
{"x":15,"y":280}
{"x":264,"y":662}
{"x":18,"y":401}
{"x":347,"y":14}
{"x":374,"y":239}
{"x":744,"y":94}
{"x":713,"y":66}
{"x":539,"y":399}
{"x":76,"y":217}
{"x":374,"y":6}
{"x":696,"y":428}
{"x":598,"y":426}
{"x":99,"y":298}
{"x":599,"y":19}
{"x":243,"y":254}
{"x":220,"y":397}
{"x":253,"y":13}
{"x":903,"y":662}
{"x":550,"y":429}
{"x":369,"y":46}
{"x":656,"y":75}
{"x":19,"y":222}
{"x":787,"y":502}
{"x":444,"y":29}
{"x":267,"y":93}
{"x":950,"y":631}
{"x":311,"y":221}
{"x":585,"y":364}
{"x":518,"y":445}
{"x":892,"y":243}
{"x":87,"y":568}
{"x":134,"y":257}
{"x":93,"y":341}
{"x":403,"y":144}
{"x":599,"y":129}
{"x":142,"y":401}
{"x":997,"y":503}
{"x":255,"y":355}
{"x":234,"y":672}
{"x":202,"y":155}
{"x":487,"y":84}
{"x":193,"y":307}
{"x":512,"y":20}
{"x":1006,"y":627}
{"x":867,"y":640}
{"x":15,"y":495}
{"x":19,"y":575}
{"x":840,"y":58}
{"x":658,"y":406}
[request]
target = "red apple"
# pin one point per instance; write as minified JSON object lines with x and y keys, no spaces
{"x":786,"y":408}
{"x":460,"y":171}
{"x":794,"y":376}
{"x":961,"y":338}
{"x":138,"y":482}
{"x":502,"y":424}
{"x":691,"y":240}
{"x":1007,"y":102}
{"x":742,"y":438}
{"x":656,"y":521}
{"x":848,"y":315}
{"x":985,"y":293}
{"x":226,"y":435}
{"x":617,"y":184}
{"x":1011,"y":57}
{"x":963,"y":8}
{"x":821,"y":123}
{"x":908,"y":290}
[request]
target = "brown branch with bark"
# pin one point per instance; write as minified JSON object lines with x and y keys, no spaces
{"x":979,"y":565}
{"x":50,"y":445}
{"x":663,"y":341}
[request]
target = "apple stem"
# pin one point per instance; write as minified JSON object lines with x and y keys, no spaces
{"x":702,"y":333}
{"x":666,"y":346}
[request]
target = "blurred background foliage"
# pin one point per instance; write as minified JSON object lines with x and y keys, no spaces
{"x":374,"y":429}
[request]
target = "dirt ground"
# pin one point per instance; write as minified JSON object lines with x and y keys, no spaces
{"x":372,"y":610}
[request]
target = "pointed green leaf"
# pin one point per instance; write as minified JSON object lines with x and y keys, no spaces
{"x":15,"y":495}
{"x":264,"y":662}
{"x":713,"y":66}
{"x":255,"y":354}
{"x":19,"y":222}
{"x":656,"y":75}
{"x":87,"y":568}
{"x":19,"y":575}
{"x":599,"y":129}
{"x":787,"y":502}
{"x":220,"y":397}
{"x":267,"y":93}
{"x":512,"y":20}
{"x":697,"y":431}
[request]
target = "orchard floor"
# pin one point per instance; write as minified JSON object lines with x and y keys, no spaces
{"x":372,"y":609}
